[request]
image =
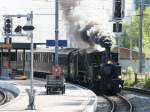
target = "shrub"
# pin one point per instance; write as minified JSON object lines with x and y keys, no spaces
{"x":147,"y":84}
{"x":129,"y":82}
{"x":130,"y":70}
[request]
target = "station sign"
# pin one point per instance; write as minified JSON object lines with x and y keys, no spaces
{"x":61,"y":43}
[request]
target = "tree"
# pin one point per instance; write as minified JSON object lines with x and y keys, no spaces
{"x":135,"y":31}
{"x":146,"y":31}
{"x":137,"y":3}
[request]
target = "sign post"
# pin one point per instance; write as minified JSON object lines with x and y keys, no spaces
{"x":56,"y":33}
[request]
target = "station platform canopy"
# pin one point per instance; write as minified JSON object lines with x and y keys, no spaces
{"x":22,"y":46}
{"x":25,"y":46}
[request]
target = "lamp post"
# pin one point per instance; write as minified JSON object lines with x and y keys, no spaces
{"x":56,"y":34}
{"x":131,"y":38}
{"x":140,"y":38}
{"x":31,"y":92}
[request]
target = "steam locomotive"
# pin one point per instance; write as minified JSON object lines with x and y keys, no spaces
{"x":97,"y":70}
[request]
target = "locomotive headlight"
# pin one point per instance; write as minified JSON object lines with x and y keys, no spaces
{"x":99,"y":77}
{"x":109,"y":62}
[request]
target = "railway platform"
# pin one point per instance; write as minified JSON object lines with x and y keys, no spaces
{"x":75,"y":99}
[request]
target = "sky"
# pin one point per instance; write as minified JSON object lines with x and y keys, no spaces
{"x":44,"y":24}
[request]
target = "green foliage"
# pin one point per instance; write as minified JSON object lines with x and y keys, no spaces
{"x":135,"y":31}
{"x":137,"y":3}
{"x":147,"y":84}
{"x":130,"y":70}
{"x":129,"y":82}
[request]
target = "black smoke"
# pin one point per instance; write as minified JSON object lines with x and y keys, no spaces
{"x":84,"y":34}
{"x":92,"y":35}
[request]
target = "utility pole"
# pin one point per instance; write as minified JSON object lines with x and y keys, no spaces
{"x":118,"y":38}
{"x":140,"y":38}
{"x":131,"y":38}
{"x":31,"y":92}
{"x":56,"y":34}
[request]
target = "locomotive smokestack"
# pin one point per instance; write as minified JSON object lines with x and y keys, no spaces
{"x":103,"y":41}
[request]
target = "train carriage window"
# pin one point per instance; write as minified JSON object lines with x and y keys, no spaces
{"x":48,"y":57}
{"x":35,"y":57}
{"x":20,"y":58}
{"x":28,"y":57}
{"x":40,"y":57}
{"x":44,"y":57}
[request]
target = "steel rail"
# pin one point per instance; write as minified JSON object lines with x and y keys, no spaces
{"x":112,"y":103}
{"x":127,"y":101}
{"x":142,"y":91}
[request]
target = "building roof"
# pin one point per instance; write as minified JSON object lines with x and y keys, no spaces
{"x":125,"y":53}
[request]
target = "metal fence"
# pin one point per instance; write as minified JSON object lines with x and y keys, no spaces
{"x":125,"y":63}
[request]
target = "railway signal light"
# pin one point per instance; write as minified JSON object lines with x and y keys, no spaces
{"x":8,"y":26}
{"x":118,"y":12}
{"x":18,"y":29}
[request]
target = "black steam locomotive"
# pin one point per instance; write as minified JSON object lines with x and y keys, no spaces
{"x":91,"y":68}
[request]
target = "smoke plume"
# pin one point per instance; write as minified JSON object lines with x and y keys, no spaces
{"x":86,"y":20}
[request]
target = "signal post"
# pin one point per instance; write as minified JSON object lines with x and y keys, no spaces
{"x":8,"y":26}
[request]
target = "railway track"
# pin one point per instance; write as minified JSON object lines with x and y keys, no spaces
{"x":141,"y":91}
{"x":118,"y":104}
{"x":3,"y":97}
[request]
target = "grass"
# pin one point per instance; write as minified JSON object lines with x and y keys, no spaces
{"x":129,"y":82}
{"x":129,"y":79}
{"x":143,"y":79}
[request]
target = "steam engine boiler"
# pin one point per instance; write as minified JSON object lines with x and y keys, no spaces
{"x":97,"y":70}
